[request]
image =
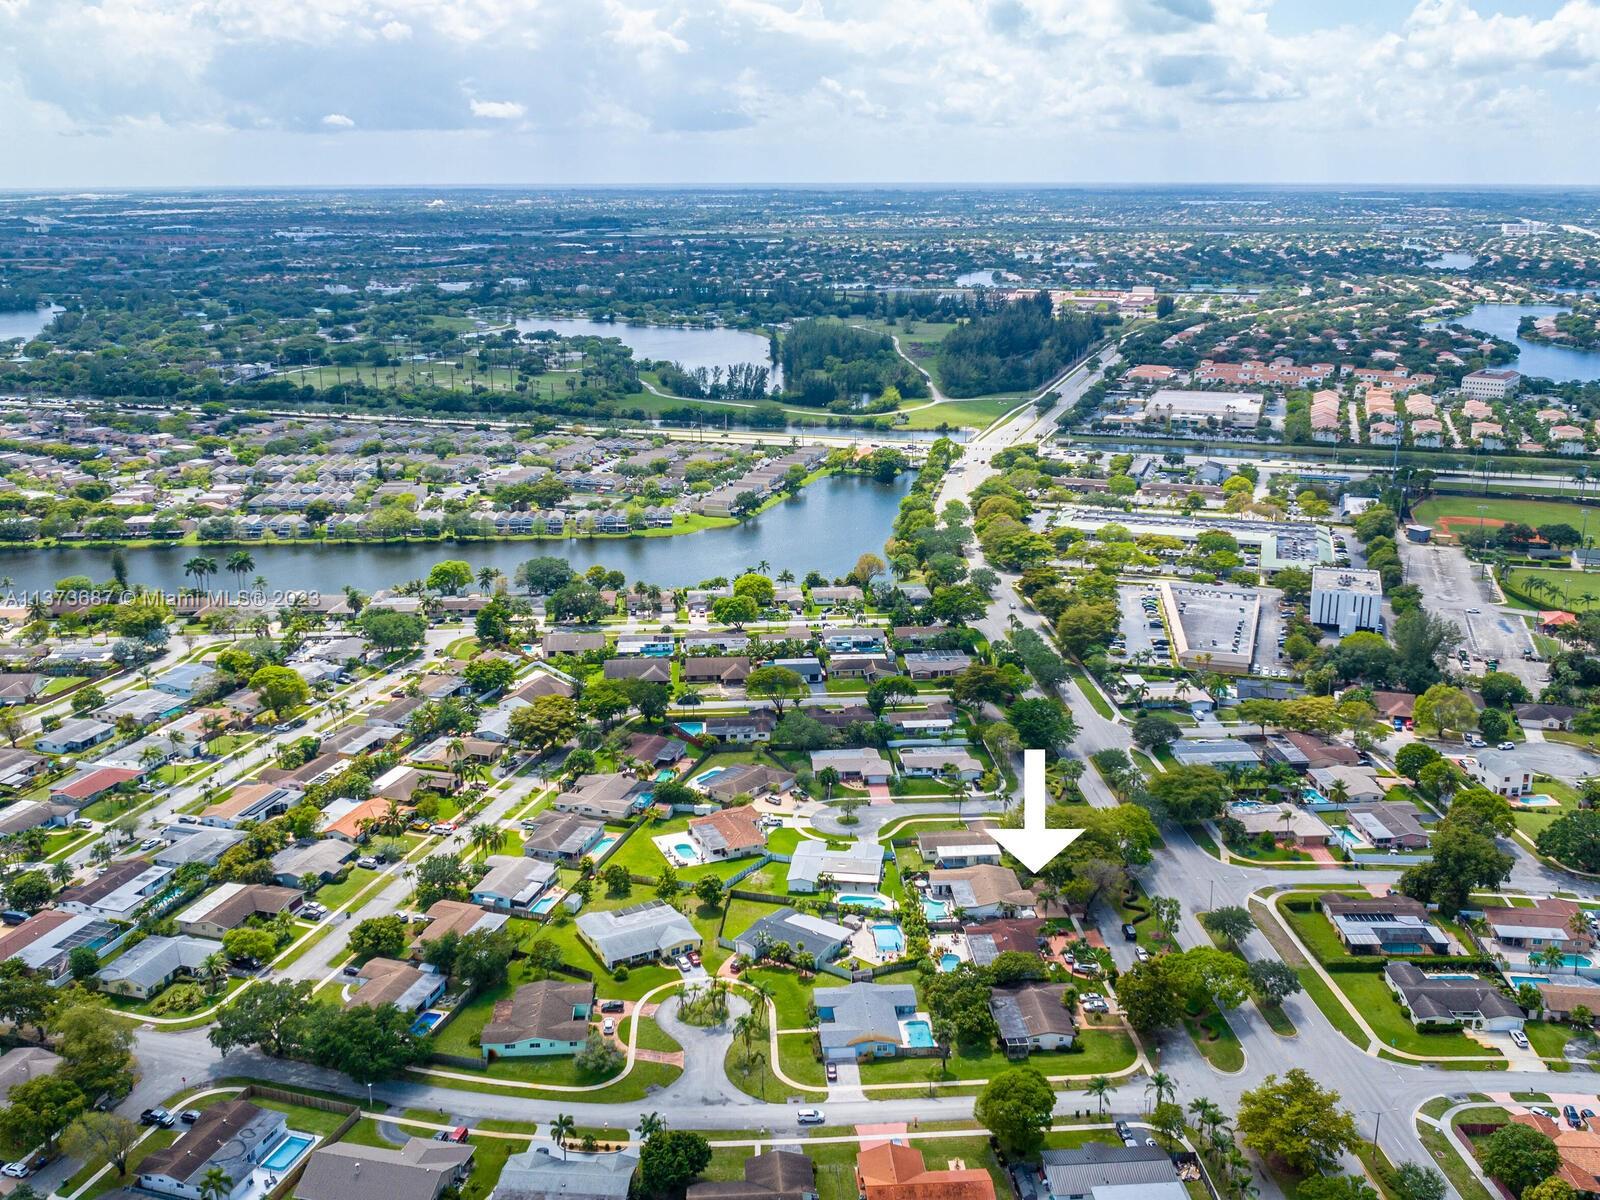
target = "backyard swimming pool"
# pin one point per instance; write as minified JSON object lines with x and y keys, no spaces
{"x":918,"y":1033}
{"x":664,"y":774}
{"x":1349,"y":838}
{"x":603,"y":845}
{"x":1537,"y":800}
{"x":889,"y":938}
{"x":543,"y":905}
{"x":860,"y":900}
{"x":1517,"y":981}
{"x":686,"y":851}
{"x":949,"y":962}
{"x":692,"y":728}
{"x":424,"y":1024}
{"x":935,"y":910}
{"x":706,"y":776}
{"x":287,"y":1152}
{"x":1576,"y":960}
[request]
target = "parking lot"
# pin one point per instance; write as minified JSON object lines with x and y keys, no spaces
{"x":1136,"y":630}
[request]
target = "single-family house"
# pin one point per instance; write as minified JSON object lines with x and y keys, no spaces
{"x":938,"y":762}
{"x":728,"y":833}
{"x":817,"y":936}
{"x":232,"y":904}
{"x":409,"y":988}
{"x":981,"y":891}
{"x":639,"y":933}
{"x":229,"y":1141}
{"x":144,"y":969}
{"x":1451,"y":999}
{"x":868,"y":1020}
{"x":539,"y":1020}
{"x":857,"y":866}
{"x":422,"y":1169}
{"x":514,"y":883}
{"x":610,"y":797}
{"x":865,"y":765}
{"x":563,"y":837}
{"x":1107,"y":1171}
{"x":950,"y":848}
{"x":545,"y":1174}
{"x":1031,"y":1016}
{"x":1383,"y":924}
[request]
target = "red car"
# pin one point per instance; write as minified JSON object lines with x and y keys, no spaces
{"x":694,"y":957}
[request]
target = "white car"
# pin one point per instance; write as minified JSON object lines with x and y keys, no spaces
{"x":810,"y":1116}
{"x":1519,"y":1039}
{"x":608,"y":1026}
{"x":1507,"y":746}
{"x":16,"y":1170}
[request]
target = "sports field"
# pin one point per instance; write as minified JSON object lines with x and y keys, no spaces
{"x":1570,"y":590}
{"x":1453,"y":514}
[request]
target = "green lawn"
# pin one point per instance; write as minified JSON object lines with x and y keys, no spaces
{"x":1574,"y":590}
{"x":1370,"y":995}
{"x":1216,"y":1040}
{"x":1450,"y":1164}
{"x":334,"y":894}
{"x":1498,"y":508}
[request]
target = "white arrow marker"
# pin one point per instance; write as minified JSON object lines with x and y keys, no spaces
{"x":1033,"y":845}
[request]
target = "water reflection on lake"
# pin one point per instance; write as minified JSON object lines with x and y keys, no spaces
{"x":1560,"y":363}
{"x":690,"y":348}
{"x":826,"y":528}
{"x":26,"y":323}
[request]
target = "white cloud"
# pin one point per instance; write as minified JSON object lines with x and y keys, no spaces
{"x":498,"y":110}
{"x":813,"y":84}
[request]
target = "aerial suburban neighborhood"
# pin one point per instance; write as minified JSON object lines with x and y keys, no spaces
{"x":601,"y":683}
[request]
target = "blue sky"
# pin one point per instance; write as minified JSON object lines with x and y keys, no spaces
{"x":250,"y":92}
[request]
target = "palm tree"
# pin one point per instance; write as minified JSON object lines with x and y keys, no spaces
{"x":1163,"y":1085}
{"x":1206,"y":1114}
{"x":560,"y":1130}
{"x":215,"y":1184}
{"x":486,"y":836}
{"x":650,"y":1124}
{"x":214,"y":969}
{"x":1100,"y":1088}
{"x":240,"y":564}
{"x":745,"y":1028}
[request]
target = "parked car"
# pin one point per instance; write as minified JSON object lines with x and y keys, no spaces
{"x":833,"y":1072}
{"x":694,"y":957}
{"x":149,"y":843}
{"x":1570,"y":1112}
{"x":612,"y":1006}
{"x":1140,"y":953}
{"x":157,"y":1116}
{"x":608,"y":1026}
{"x":810,"y":1116}
{"x":352,"y":970}
{"x":367,"y":863}
{"x":1519,"y":1039}
{"x":189,"y":1116}
{"x":16,"y":1170}
{"x":13,"y":916}
{"x":1506,"y":746}
{"x":1129,"y":933}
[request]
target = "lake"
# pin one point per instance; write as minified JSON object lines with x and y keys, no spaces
{"x":26,"y":323}
{"x":825,"y":528}
{"x":690,"y":348}
{"x":1451,"y":260}
{"x":1560,"y":363}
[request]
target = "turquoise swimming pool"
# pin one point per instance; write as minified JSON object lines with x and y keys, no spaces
{"x":692,"y":728}
{"x":424,"y":1024}
{"x":707,"y":775}
{"x":543,"y":905}
{"x":287,"y":1152}
{"x":935,"y":910}
{"x":889,"y":938}
{"x":949,"y":962}
{"x":603,"y":845}
{"x":919,"y":1034}
{"x":860,"y":900}
{"x":686,"y":851}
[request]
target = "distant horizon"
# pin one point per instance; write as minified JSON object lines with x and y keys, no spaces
{"x":68,"y":190}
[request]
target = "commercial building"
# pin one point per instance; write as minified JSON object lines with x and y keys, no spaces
{"x":1213,"y":628}
{"x":1176,"y":406}
{"x":1345,"y":600}
{"x":1493,"y":383}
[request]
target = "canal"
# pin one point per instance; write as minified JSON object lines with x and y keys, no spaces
{"x":825,"y":528}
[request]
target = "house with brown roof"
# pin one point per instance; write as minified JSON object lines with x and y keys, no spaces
{"x":1549,"y":921}
{"x":458,"y":917}
{"x":1013,"y":935}
{"x":544,"y":684}
{"x":747,"y":779}
{"x":422,"y":1169}
{"x":981,"y":891}
{"x":729,"y":671}
{"x":389,"y":981}
{"x":1397,"y":708}
{"x":728,"y":833}
{"x":22,"y":1063}
{"x":249,"y":802}
{"x":775,"y":1175}
{"x":647,"y":670}
{"x":893,"y":1171}
{"x":233,"y":1138}
{"x":353,"y":825}
{"x":1031,"y":1016}
{"x":539,"y":1020}
{"x":1391,"y":924}
{"x":1579,"y":1150}
{"x":655,"y":750}
{"x":231,"y":905}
